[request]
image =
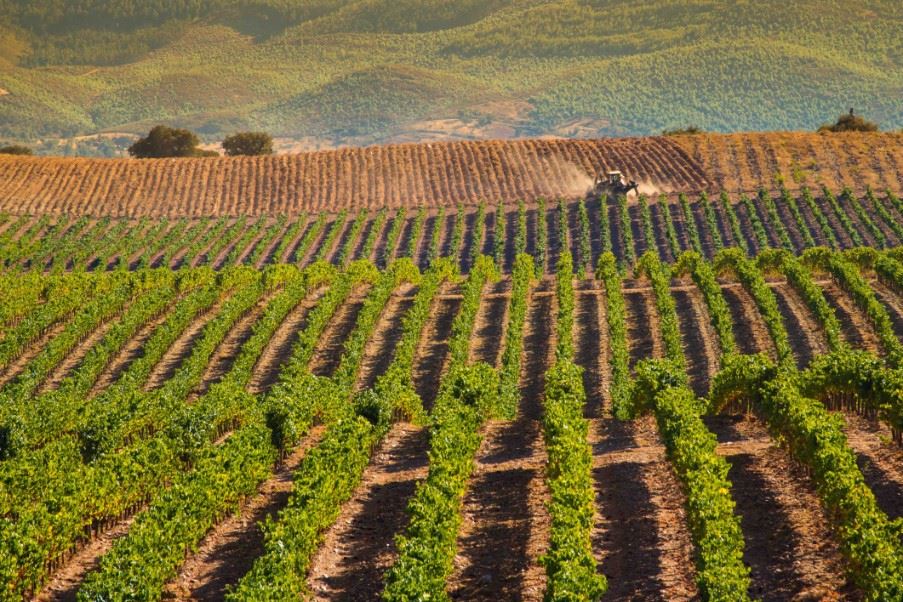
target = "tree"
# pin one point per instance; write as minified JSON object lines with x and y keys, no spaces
{"x":248,"y":143}
{"x":687,"y":131}
{"x":850,"y":123}
{"x":15,"y":149}
{"x":164,"y":141}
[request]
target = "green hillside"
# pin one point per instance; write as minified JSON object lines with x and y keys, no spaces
{"x":340,"y":71}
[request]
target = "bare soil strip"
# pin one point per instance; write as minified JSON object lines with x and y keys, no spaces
{"x":360,"y":546}
{"x":132,"y":350}
{"x":750,"y":330}
{"x":642,"y":325}
{"x":856,"y":329}
{"x":642,"y":540}
{"x":229,"y":549}
{"x":506,"y":498}
{"x":430,"y":359}
{"x":700,"y":341}
{"x":892,"y":303}
{"x":75,"y":356}
{"x":31,"y":350}
{"x":790,"y":548}
{"x":880,"y":460}
{"x":807,"y":337}
{"x":228,"y":349}
{"x":64,"y":583}
{"x":279,"y":348}
{"x":329,"y":349}
{"x":380,"y":349}
{"x":181,"y":348}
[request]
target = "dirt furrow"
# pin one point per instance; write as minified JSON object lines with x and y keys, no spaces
{"x":507,"y":494}
{"x":790,"y":548}
{"x":229,"y":549}
{"x":380,"y":349}
{"x":31,"y":350}
{"x":489,"y":327}
{"x":329,"y":349}
{"x":228,"y":349}
{"x":880,"y":460}
{"x":642,"y":326}
{"x":279,"y":348}
{"x":181,"y":348}
{"x":642,"y":540}
{"x":700,"y":342}
{"x":432,"y":352}
{"x":750,"y":330}
{"x":807,"y":337}
{"x":856,"y":329}
{"x":360,"y":545}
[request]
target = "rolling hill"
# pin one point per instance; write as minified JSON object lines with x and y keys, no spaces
{"x":338,"y":72}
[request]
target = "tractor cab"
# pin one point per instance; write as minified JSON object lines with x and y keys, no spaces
{"x":613,"y":182}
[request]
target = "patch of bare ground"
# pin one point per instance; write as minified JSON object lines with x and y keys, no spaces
{"x":75,"y":356}
{"x":642,"y":324}
{"x":432,"y":352}
{"x":279,"y":348}
{"x":790,"y":548}
{"x":892,"y":303}
{"x":507,"y":495}
{"x":807,"y":337}
{"x":750,"y":330}
{"x":879,"y":459}
{"x":328,"y":352}
{"x":380,"y":348}
{"x":489,"y":326}
{"x":360,"y":546}
{"x":700,"y":342}
{"x":856,"y":329}
{"x":128,"y":353}
{"x":228,"y":349}
{"x":642,"y":540}
{"x":229,"y":549}
{"x":181,"y":348}
{"x":65,"y":582}
{"x":31,"y":350}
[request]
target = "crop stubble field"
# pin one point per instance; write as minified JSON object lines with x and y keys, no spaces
{"x":423,"y":408}
{"x":445,"y":174}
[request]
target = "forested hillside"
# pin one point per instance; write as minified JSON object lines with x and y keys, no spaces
{"x":328,"y":72}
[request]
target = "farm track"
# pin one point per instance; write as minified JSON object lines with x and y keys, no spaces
{"x":128,"y":353}
{"x":181,"y":348}
{"x":790,"y":548}
{"x":360,"y":545}
{"x":78,"y":353}
{"x":507,"y":493}
{"x":431,"y":357}
{"x":279,"y":348}
{"x":329,"y":349}
{"x":31,"y":350}
{"x":229,"y":549}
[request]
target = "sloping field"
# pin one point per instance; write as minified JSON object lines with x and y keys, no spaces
{"x":444,"y":174}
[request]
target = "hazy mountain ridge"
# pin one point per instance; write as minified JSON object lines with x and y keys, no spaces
{"x":332,"y":72}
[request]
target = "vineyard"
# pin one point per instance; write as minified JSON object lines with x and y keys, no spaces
{"x":446,"y":174}
{"x":683,"y":397}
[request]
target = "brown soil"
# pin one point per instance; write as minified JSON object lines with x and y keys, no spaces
{"x":790,"y":547}
{"x":360,"y":545}
{"x":129,"y":352}
{"x":806,"y":335}
{"x":30,"y":351}
{"x":490,"y":325}
{"x":430,"y":359}
{"x":228,"y":550}
{"x":700,"y":341}
{"x":642,"y":325}
{"x":328,"y":352}
{"x":380,"y":349}
{"x":75,"y":356}
{"x":180,"y":349}
{"x":64,"y":583}
{"x":279,"y":348}
{"x":880,"y":460}
{"x":750,"y":330}
{"x":507,"y":494}
{"x":642,"y":539}
{"x":856,"y":329}
{"x":228,"y":349}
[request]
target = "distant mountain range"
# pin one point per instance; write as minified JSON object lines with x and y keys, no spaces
{"x":324,"y":73}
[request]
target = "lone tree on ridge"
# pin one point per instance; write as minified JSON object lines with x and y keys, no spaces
{"x":248,"y":143}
